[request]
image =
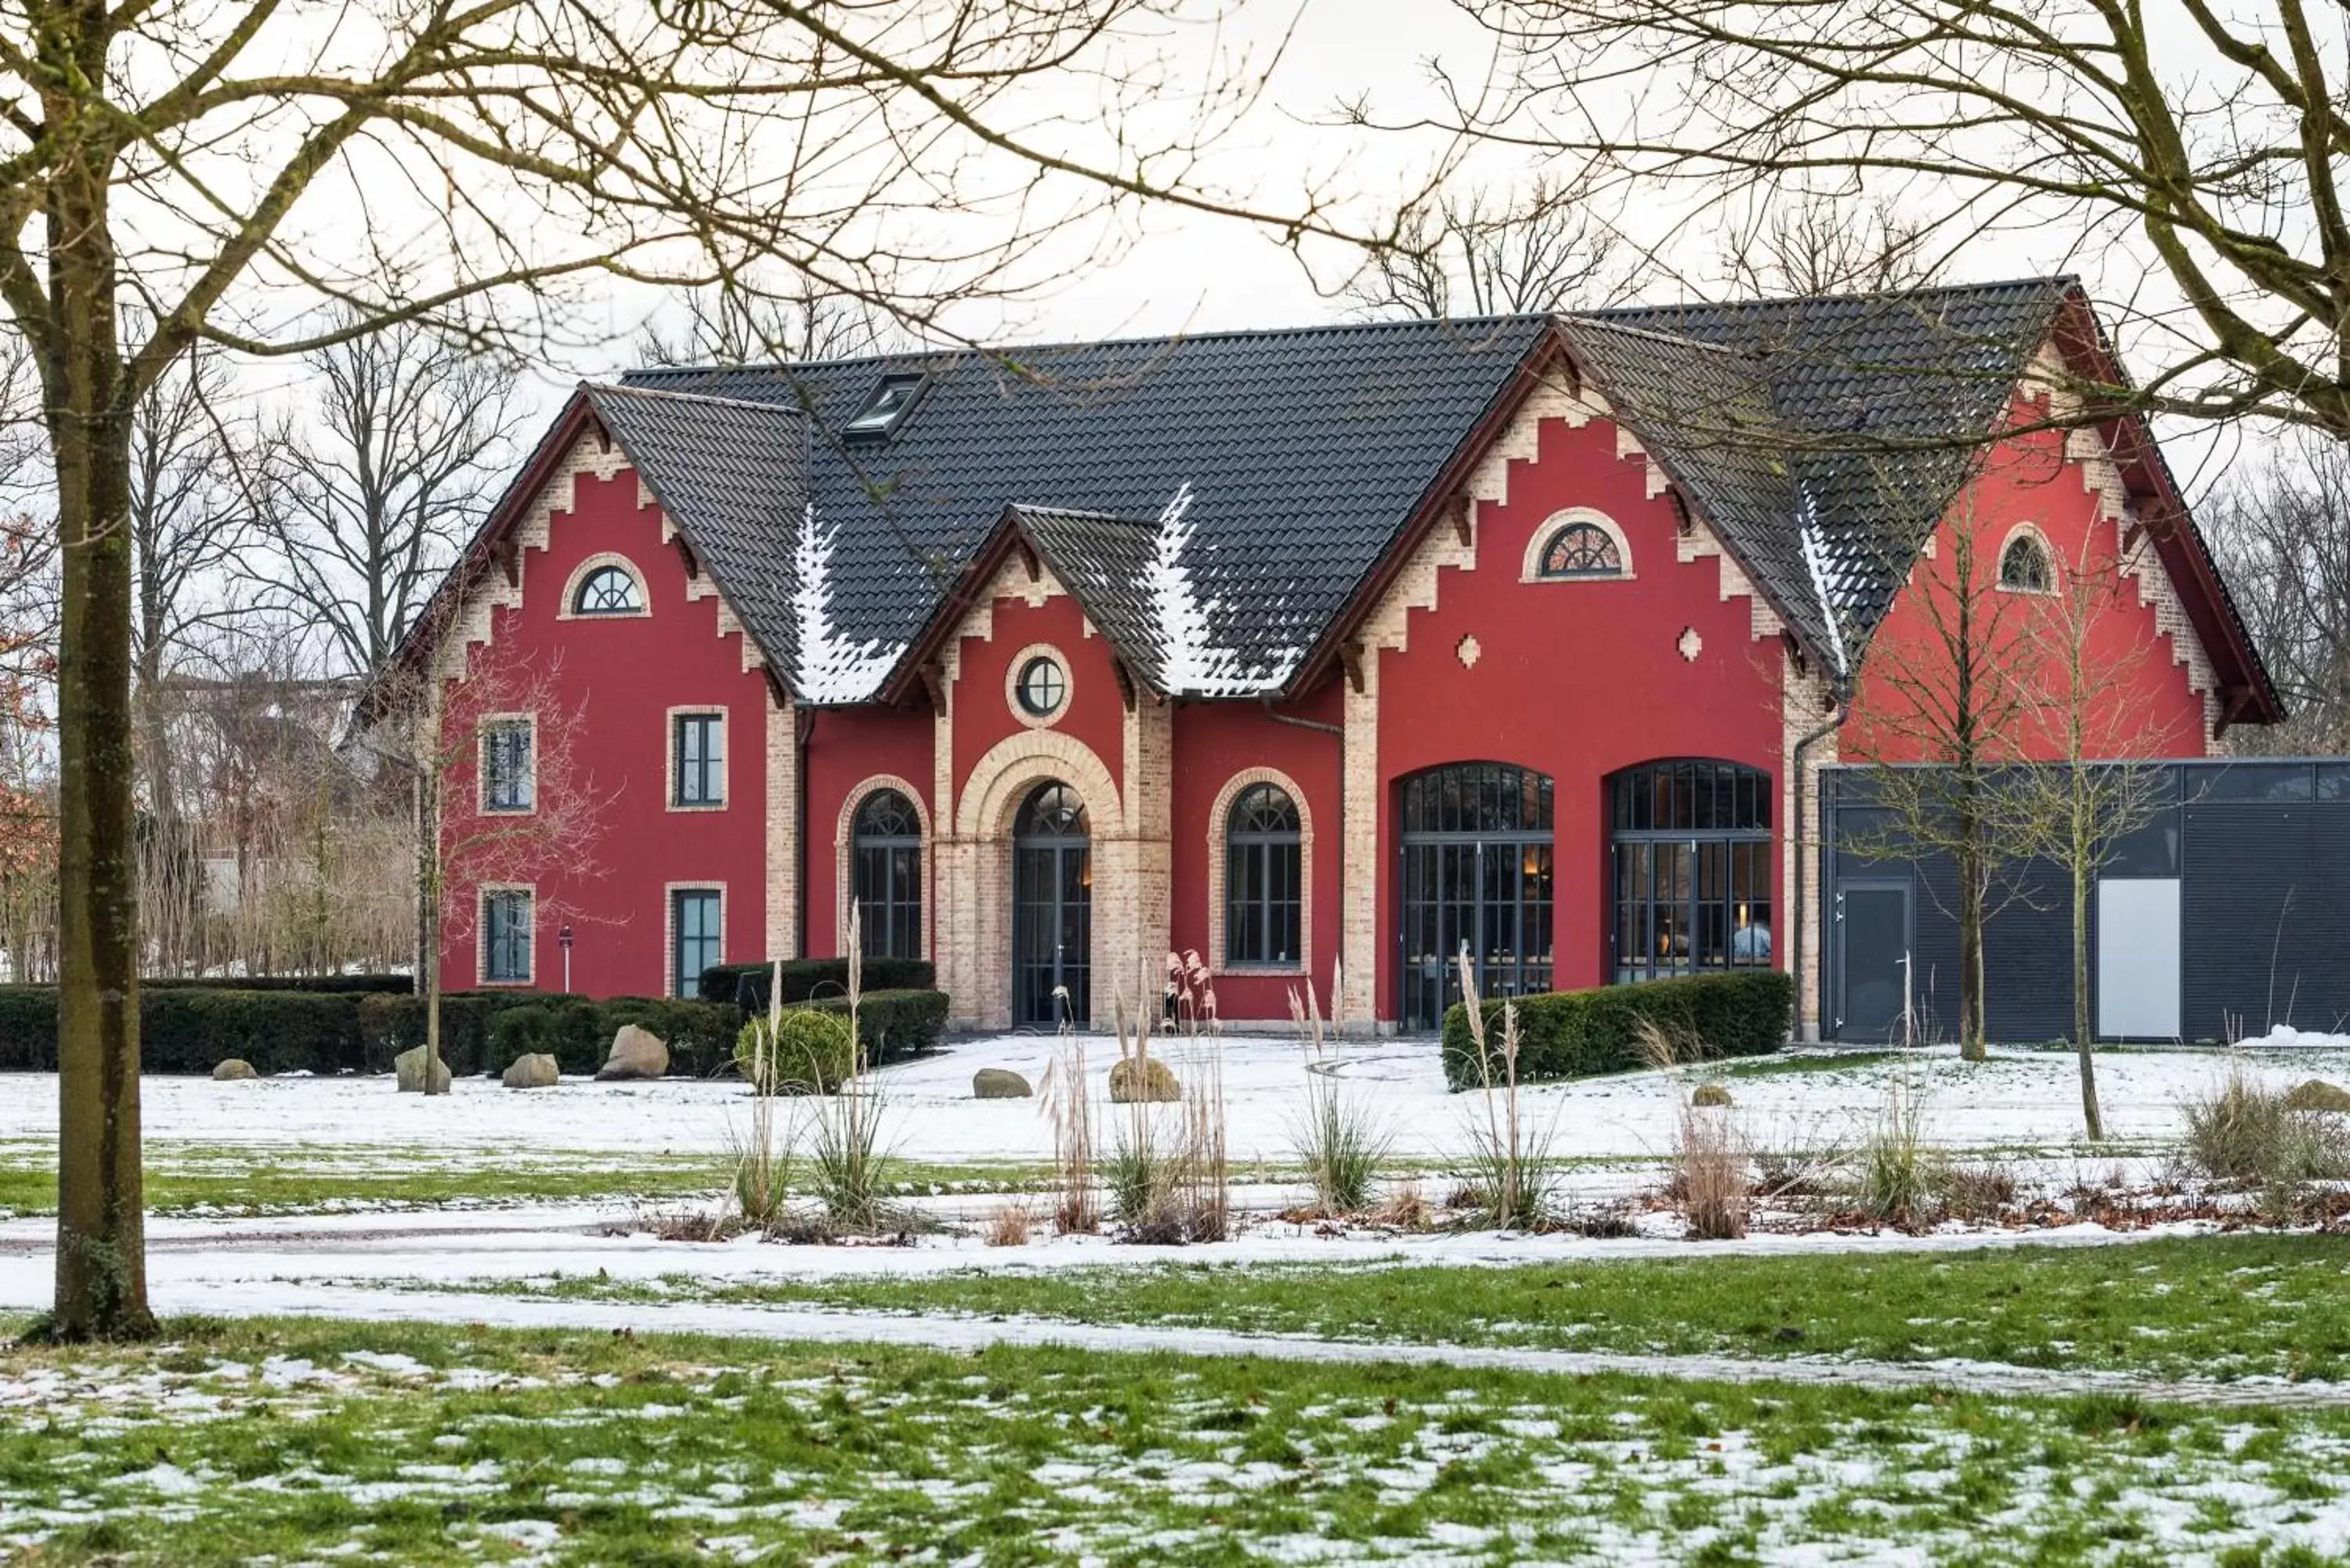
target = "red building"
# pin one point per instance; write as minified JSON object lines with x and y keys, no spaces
{"x":1319,"y":652}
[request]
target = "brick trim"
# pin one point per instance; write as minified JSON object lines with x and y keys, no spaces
{"x":1019,"y":662}
{"x":1538,"y":543}
{"x":482,"y":892}
{"x":781,"y":722}
{"x":1220,"y":817}
{"x":482,"y":724}
{"x":669,"y":890}
{"x":669,"y":770}
{"x":843,"y":847}
{"x":567,"y":607}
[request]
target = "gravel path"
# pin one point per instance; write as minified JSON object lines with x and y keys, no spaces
{"x":971,"y":1334}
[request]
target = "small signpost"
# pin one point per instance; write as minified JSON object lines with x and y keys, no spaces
{"x":563,"y":940}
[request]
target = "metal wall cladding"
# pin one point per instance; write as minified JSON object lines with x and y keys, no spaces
{"x":2267,"y":917}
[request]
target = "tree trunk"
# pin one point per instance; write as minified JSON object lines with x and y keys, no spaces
{"x":429,"y":896}
{"x":1970,"y":956}
{"x":102,"y":1237}
{"x":2085,"y":869}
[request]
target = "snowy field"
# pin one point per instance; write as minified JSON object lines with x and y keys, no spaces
{"x":2018,"y":1100}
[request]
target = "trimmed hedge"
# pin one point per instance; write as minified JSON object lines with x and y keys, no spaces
{"x":809,"y":980}
{"x":892,"y":1024}
{"x":319,"y":984}
{"x":188,"y":1029}
{"x":1576,"y":1033}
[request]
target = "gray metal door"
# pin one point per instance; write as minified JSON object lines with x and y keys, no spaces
{"x":1873,"y":960}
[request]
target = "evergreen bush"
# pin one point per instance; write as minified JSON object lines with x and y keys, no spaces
{"x":1576,"y":1033}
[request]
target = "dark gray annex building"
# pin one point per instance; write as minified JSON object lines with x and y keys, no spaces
{"x":2228,"y":914}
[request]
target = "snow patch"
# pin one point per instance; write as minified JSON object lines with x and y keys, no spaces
{"x":832,"y":668}
{"x":1193,"y":663}
{"x":1815,"y":561}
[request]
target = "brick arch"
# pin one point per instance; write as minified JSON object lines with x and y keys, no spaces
{"x":1220,"y":817}
{"x":1002,"y":779}
{"x":843,"y":847}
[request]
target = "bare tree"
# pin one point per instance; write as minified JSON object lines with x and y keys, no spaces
{"x":281,"y":179}
{"x":1482,"y":254}
{"x":2280,"y":530}
{"x":482,"y":814}
{"x":1950,"y":689}
{"x":369,"y":498}
{"x":2206,"y":145}
{"x":1820,"y":244}
{"x":2077,"y":815}
{"x":734,"y":324}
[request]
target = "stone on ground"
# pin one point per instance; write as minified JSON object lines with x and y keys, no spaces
{"x":1129,"y":1082}
{"x":408,"y":1071}
{"x":532,"y":1070}
{"x":234,"y":1067}
{"x":999,"y":1083}
{"x":637,"y":1053}
{"x":2317,"y":1095}
{"x":1710,"y":1094}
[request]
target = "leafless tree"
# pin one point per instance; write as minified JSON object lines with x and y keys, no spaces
{"x":371,"y":495}
{"x":1480,"y":253}
{"x":2280,"y":529}
{"x":441,"y":739}
{"x":1820,"y":244}
{"x":734,"y":324}
{"x":2206,"y":145}
{"x":1950,"y":691}
{"x":2078,"y":814}
{"x":281,"y":178}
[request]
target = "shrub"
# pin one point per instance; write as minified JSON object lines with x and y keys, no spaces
{"x":1899,"y":1174}
{"x":745,"y":985}
{"x":2246,"y":1131}
{"x":892,"y":1025}
{"x":810,"y":1052}
{"x":522,"y":1031}
{"x":1576,"y":1033}
{"x":1710,"y":1176}
{"x":1340,"y":1146}
{"x":316,"y":985}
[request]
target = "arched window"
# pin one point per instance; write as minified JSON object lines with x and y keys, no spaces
{"x":1692,"y":872}
{"x":1581,"y":550}
{"x":1476,"y":878}
{"x":886,"y":878}
{"x":1264,"y":878}
{"x":610,"y":590}
{"x":2023,"y":564}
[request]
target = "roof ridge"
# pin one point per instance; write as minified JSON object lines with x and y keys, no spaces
{"x":2054,"y":282}
{"x":1158,"y":340}
{"x":1031,"y":508}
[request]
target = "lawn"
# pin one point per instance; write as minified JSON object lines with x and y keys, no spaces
{"x":294,"y":1441}
{"x":2250,"y":1306}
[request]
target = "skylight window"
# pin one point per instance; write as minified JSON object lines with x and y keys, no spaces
{"x":886,"y":409}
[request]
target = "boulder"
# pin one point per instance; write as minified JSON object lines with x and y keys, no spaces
{"x":999,"y":1083}
{"x":532,"y":1070}
{"x":408,"y":1069}
{"x":234,"y":1067}
{"x":1712,"y":1095}
{"x":637,"y":1053}
{"x":2317,"y":1095}
{"x":1144,"y":1078}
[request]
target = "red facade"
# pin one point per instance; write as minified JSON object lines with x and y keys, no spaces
{"x":1471,"y":654}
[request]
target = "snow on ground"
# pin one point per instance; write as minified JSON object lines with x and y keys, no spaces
{"x":2018,"y":1099}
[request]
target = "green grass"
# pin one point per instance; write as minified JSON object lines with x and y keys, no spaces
{"x":298,"y":1177}
{"x":2216,"y":1306}
{"x":268,"y":1441}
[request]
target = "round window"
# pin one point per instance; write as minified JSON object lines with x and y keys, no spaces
{"x":1042,"y":687}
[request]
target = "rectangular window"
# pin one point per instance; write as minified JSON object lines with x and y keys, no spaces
{"x":699,"y":745}
{"x":507,"y":782}
{"x":694,"y":932}
{"x":505,"y":937}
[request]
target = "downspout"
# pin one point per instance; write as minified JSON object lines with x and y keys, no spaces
{"x":1265,"y":700}
{"x":803,"y":726}
{"x":1840,"y":694}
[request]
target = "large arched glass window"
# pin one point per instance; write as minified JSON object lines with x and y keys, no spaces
{"x":1476,"y":879}
{"x":1690,"y":843}
{"x":887,"y":880}
{"x":1263,"y":892}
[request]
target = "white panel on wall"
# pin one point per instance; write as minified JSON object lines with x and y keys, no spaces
{"x":2137,"y":957}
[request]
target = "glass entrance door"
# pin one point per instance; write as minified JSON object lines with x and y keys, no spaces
{"x":1476,"y":875}
{"x":1052,"y":911}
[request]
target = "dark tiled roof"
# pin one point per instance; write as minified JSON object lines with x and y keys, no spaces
{"x":1305,"y":451}
{"x":1847,"y":418}
{"x":733,"y":477}
{"x":1107,"y":563}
